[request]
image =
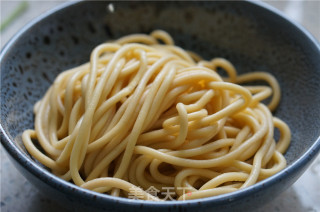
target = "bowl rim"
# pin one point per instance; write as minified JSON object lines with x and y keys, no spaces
{"x":68,"y":188}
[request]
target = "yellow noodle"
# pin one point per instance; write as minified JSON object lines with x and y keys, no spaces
{"x":144,"y":113}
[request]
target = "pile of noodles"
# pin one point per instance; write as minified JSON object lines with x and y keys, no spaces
{"x":143,"y":115}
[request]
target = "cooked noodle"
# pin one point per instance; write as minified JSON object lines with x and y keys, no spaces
{"x":145,"y":114}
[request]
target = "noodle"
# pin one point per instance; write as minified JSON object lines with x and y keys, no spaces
{"x":147,"y":115}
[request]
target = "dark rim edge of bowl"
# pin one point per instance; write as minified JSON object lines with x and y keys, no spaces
{"x":64,"y":186}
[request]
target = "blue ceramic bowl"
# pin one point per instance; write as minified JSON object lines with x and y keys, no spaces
{"x":252,"y":35}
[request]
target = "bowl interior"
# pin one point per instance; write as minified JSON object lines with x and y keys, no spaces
{"x":252,"y":39}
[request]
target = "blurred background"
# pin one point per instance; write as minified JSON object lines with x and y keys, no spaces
{"x":17,"y":194}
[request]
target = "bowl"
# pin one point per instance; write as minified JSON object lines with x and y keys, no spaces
{"x":253,"y":36}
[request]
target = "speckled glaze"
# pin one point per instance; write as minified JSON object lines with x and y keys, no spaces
{"x":251,"y":35}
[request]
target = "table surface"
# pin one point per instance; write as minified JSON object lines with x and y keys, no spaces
{"x":17,"y":194}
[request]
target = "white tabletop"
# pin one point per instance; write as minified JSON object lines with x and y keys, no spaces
{"x":17,"y":194}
